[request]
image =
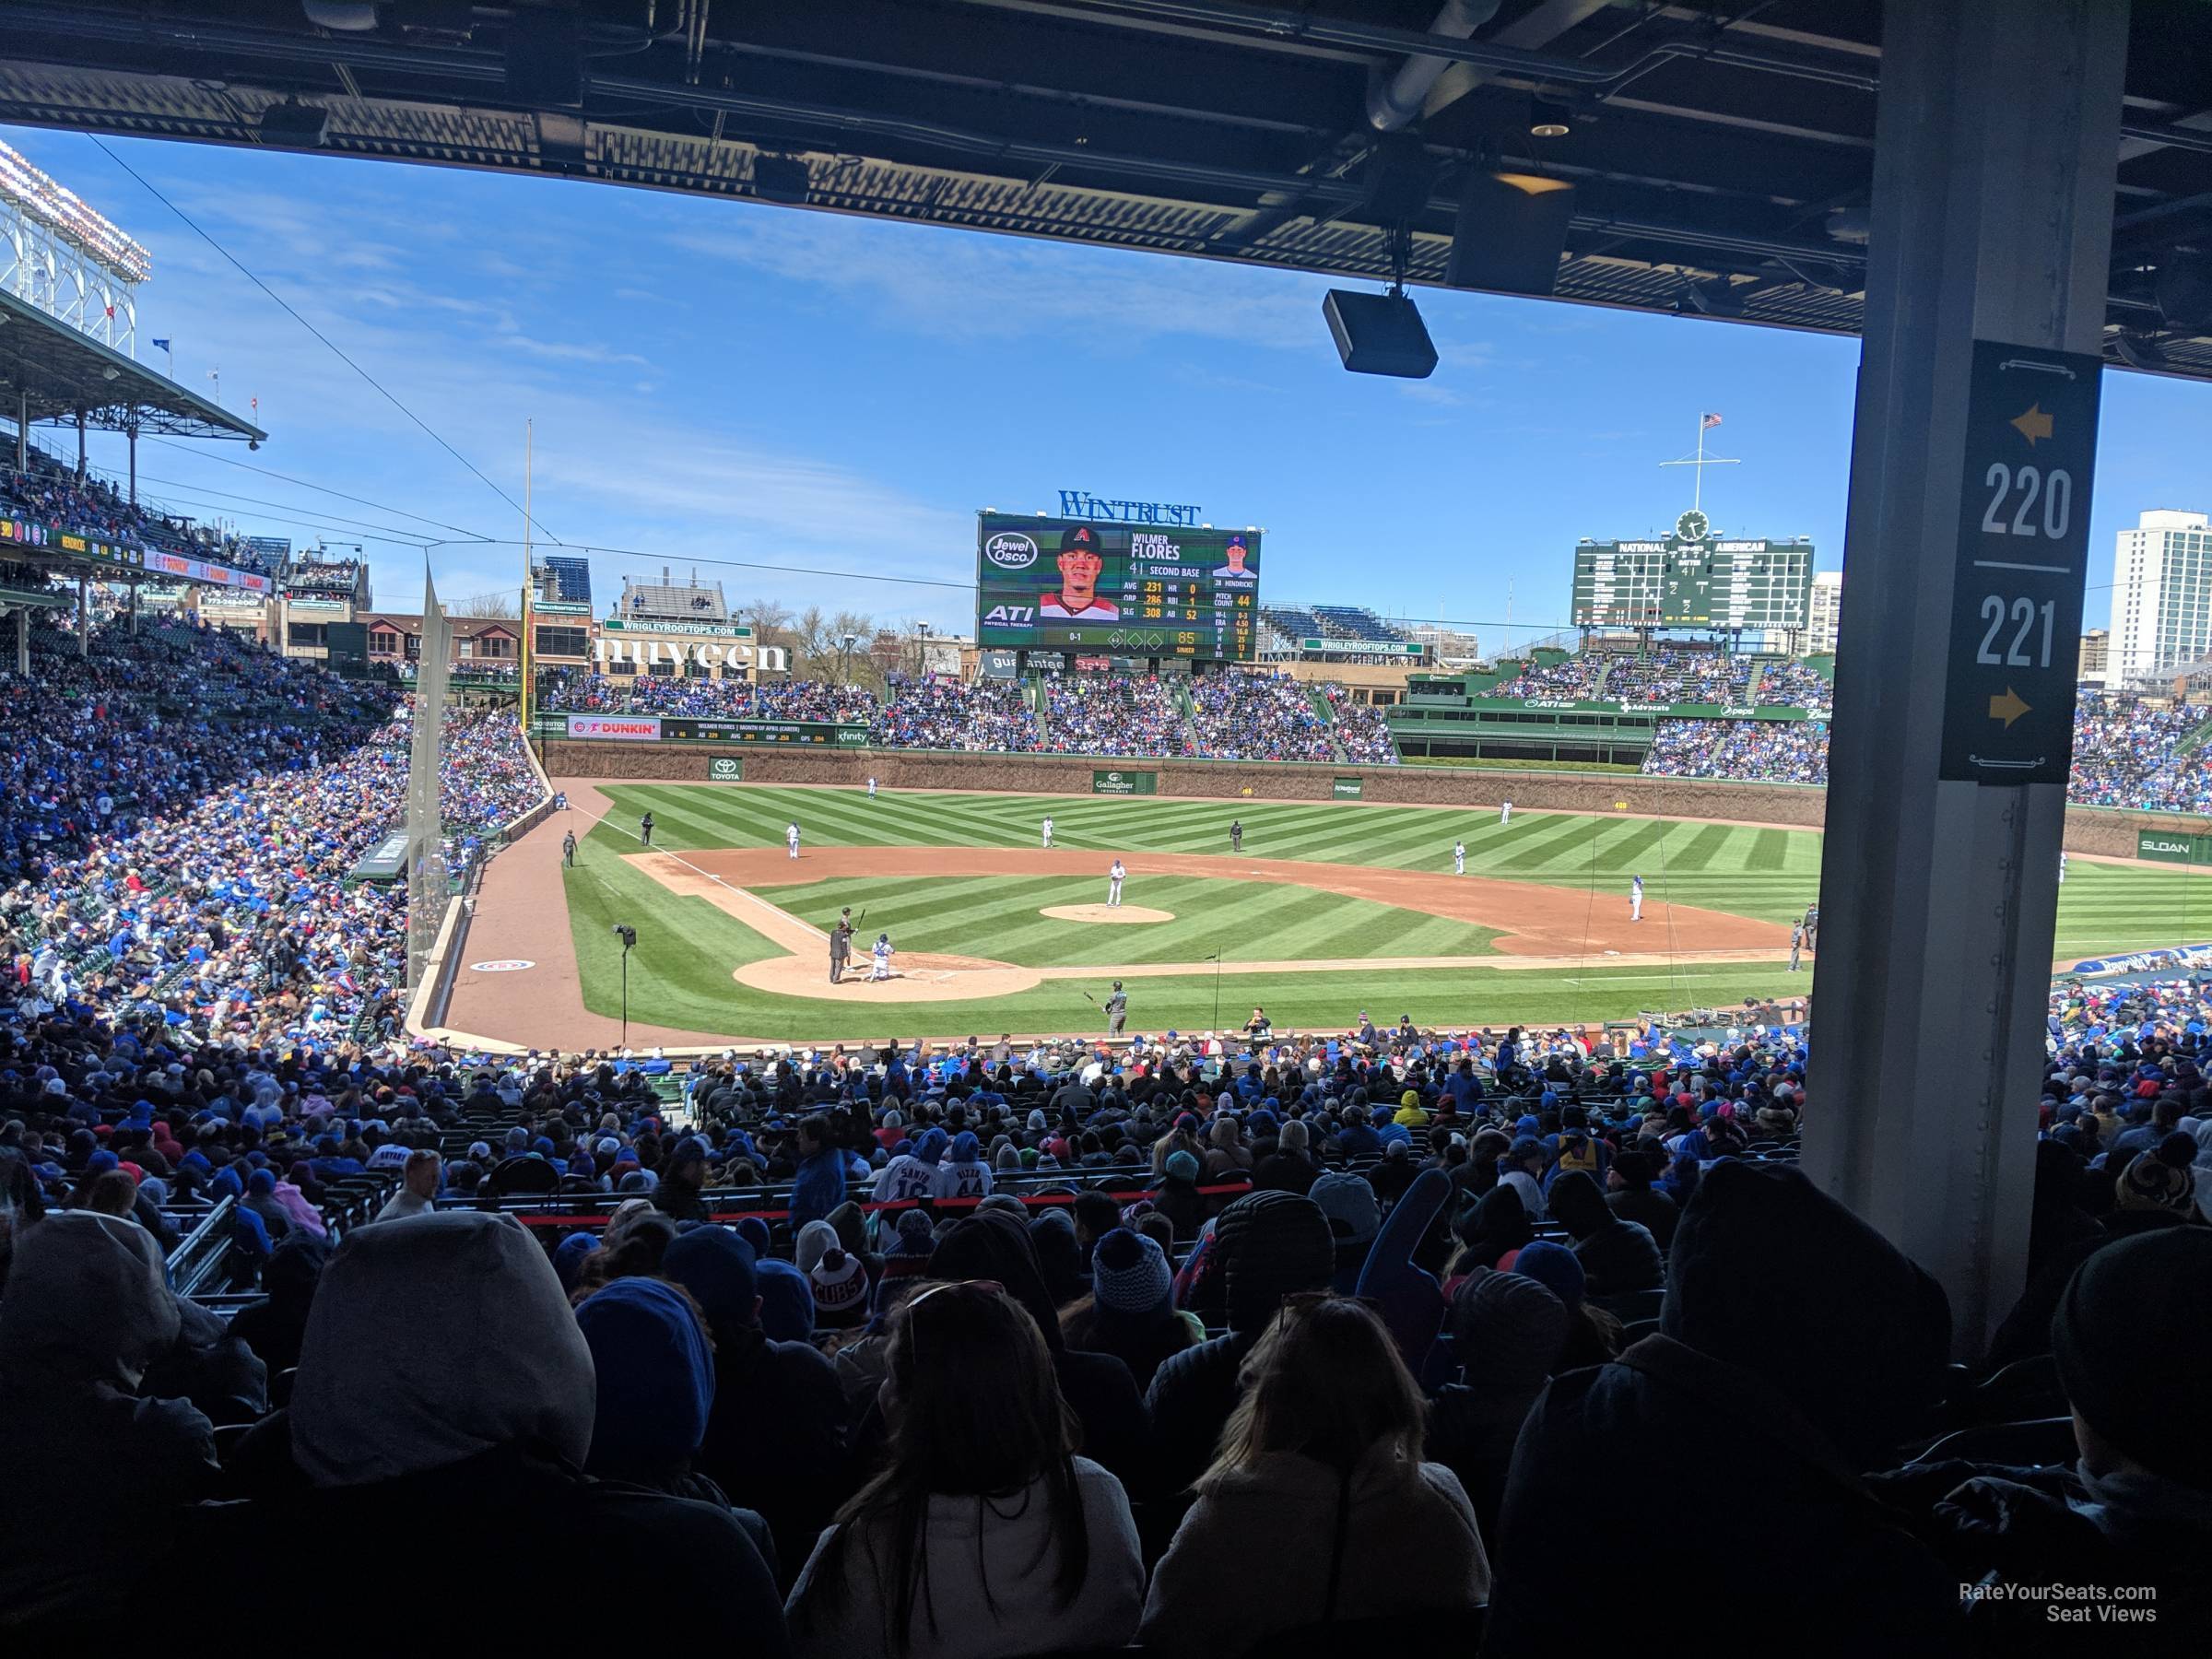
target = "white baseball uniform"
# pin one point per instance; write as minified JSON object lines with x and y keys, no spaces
{"x":1459,"y":858}
{"x":791,"y":839}
{"x":1505,"y":814}
{"x":881,"y":952}
{"x":1114,"y":882}
{"x":871,"y":788}
{"x":2062,"y":867}
{"x":1636,"y":899}
{"x":1048,"y":834}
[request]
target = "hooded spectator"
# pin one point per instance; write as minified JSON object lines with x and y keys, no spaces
{"x":1354,"y":1219}
{"x":796,"y":1477}
{"x":1632,"y":1196}
{"x":85,"y":1312}
{"x":1494,"y":1229}
{"x":984,"y":1534}
{"x":401,"y":1428}
{"x":1616,"y":1256}
{"x":1322,"y":1457}
{"x":655,"y":1376}
{"x":1830,"y":1343}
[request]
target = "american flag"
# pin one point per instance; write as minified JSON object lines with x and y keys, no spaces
{"x":1711,"y":420}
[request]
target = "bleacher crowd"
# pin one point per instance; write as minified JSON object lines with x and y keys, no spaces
{"x":1771,"y":751}
{"x":1235,"y":714}
{"x":52,"y":494}
{"x":1436,"y":1340}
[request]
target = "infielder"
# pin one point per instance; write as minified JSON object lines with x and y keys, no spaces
{"x":1635,"y":898}
{"x":1236,"y":835}
{"x":1114,"y":877}
{"x":1117,"y":1010}
{"x":1048,"y":832}
{"x":1505,"y":814}
{"x":2062,"y":866}
{"x":1459,"y":858}
{"x":791,"y":837}
{"x":881,"y":952}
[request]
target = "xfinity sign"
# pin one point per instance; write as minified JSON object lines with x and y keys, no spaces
{"x":1081,"y":503}
{"x":1011,"y":550}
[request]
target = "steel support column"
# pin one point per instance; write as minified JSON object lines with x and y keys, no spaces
{"x":22,"y":432}
{"x":83,"y":618}
{"x":23,"y":639}
{"x":1996,"y":139}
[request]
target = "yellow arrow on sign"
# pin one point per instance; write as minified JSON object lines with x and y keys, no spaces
{"x":2032,"y":424}
{"x":2007,"y":708}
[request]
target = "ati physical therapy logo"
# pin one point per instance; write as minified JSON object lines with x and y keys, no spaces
{"x":1009,"y":550}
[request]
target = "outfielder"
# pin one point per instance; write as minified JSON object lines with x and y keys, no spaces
{"x":1459,"y":858}
{"x":881,"y":952}
{"x":791,"y":837}
{"x":645,"y":831}
{"x":871,"y":788}
{"x":1048,"y":832}
{"x":1117,"y":1010}
{"x":1505,"y":814}
{"x":1635,"y":898}
{"x":1236,"y":835}
{"x":2062,"y":866}
{"x":1114,"y":877}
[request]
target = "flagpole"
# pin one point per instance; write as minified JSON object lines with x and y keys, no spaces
{"x":527,"y":436}
{"x":1697,"y":494}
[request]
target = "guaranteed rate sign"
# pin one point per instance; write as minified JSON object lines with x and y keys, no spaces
{"x":1141,"y":591}
{"x":2022,"y":562}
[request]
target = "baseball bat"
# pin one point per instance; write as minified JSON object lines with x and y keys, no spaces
{"x":1090,"y":999}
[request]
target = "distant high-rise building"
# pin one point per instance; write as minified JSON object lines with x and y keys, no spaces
{"x":1824,"y":612}
{"x":2096,"y":656}
{"x":2161,"y":595}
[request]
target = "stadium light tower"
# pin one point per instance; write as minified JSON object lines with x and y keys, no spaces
{"x":73,"y":264}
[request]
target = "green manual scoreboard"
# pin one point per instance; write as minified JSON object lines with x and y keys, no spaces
{"x":1139,"y":590}
{"x":1694,"y":578}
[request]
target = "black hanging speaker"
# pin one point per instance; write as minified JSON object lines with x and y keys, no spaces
{"x":1378,"y":334}
{"x":545,"y":56}
{"x":1510,"y":233}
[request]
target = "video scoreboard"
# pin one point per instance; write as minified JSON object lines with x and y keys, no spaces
{"x":1141,"y":590}
{"x":1693,"y":579}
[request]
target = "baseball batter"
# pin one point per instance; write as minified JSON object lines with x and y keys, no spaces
{"x":1114,"y":877}
{"x":1117,"y":1010}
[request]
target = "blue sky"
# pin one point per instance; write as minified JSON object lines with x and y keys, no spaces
{"x":723,"y":380}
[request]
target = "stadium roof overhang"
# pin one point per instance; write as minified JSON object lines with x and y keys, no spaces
{"x":65,"y":373}
{"x":1723,"y":164}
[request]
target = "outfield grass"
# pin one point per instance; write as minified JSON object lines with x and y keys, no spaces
{"x":996,"y":916}
{"x":680,"y":973}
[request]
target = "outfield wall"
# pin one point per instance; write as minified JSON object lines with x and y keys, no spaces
{"x":2092,"y":830}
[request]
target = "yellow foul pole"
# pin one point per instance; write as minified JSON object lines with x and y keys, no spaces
{"x":526,"y":581}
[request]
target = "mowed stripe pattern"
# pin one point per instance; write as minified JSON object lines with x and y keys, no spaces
{"x":1770,"y":873}
{"x":996,"y":916}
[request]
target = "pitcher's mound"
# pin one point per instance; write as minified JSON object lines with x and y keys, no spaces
{"x":1123,"y":914}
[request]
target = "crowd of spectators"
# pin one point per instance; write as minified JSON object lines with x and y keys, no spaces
{"x":1362,"y":730}
{"x":1004,"y":1348}
{"x":939,"y":713}
{"x":1237,"y":715}
{"x":2126,"y":754}
{"x":54,"y":496}
{"x":1766,"y":751}
{"x":184,"y":810}
{"x":1114,"y":714}
{"x":1673,"y":676}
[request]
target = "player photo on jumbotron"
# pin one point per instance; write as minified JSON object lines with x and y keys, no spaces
{"x":1081,"y":570}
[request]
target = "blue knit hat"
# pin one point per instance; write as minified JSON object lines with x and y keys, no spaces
{"x":1129,"y":1273}
{"x":1555,"y":1267}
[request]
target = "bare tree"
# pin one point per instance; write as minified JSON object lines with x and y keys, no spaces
{"x":501,"y":603}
